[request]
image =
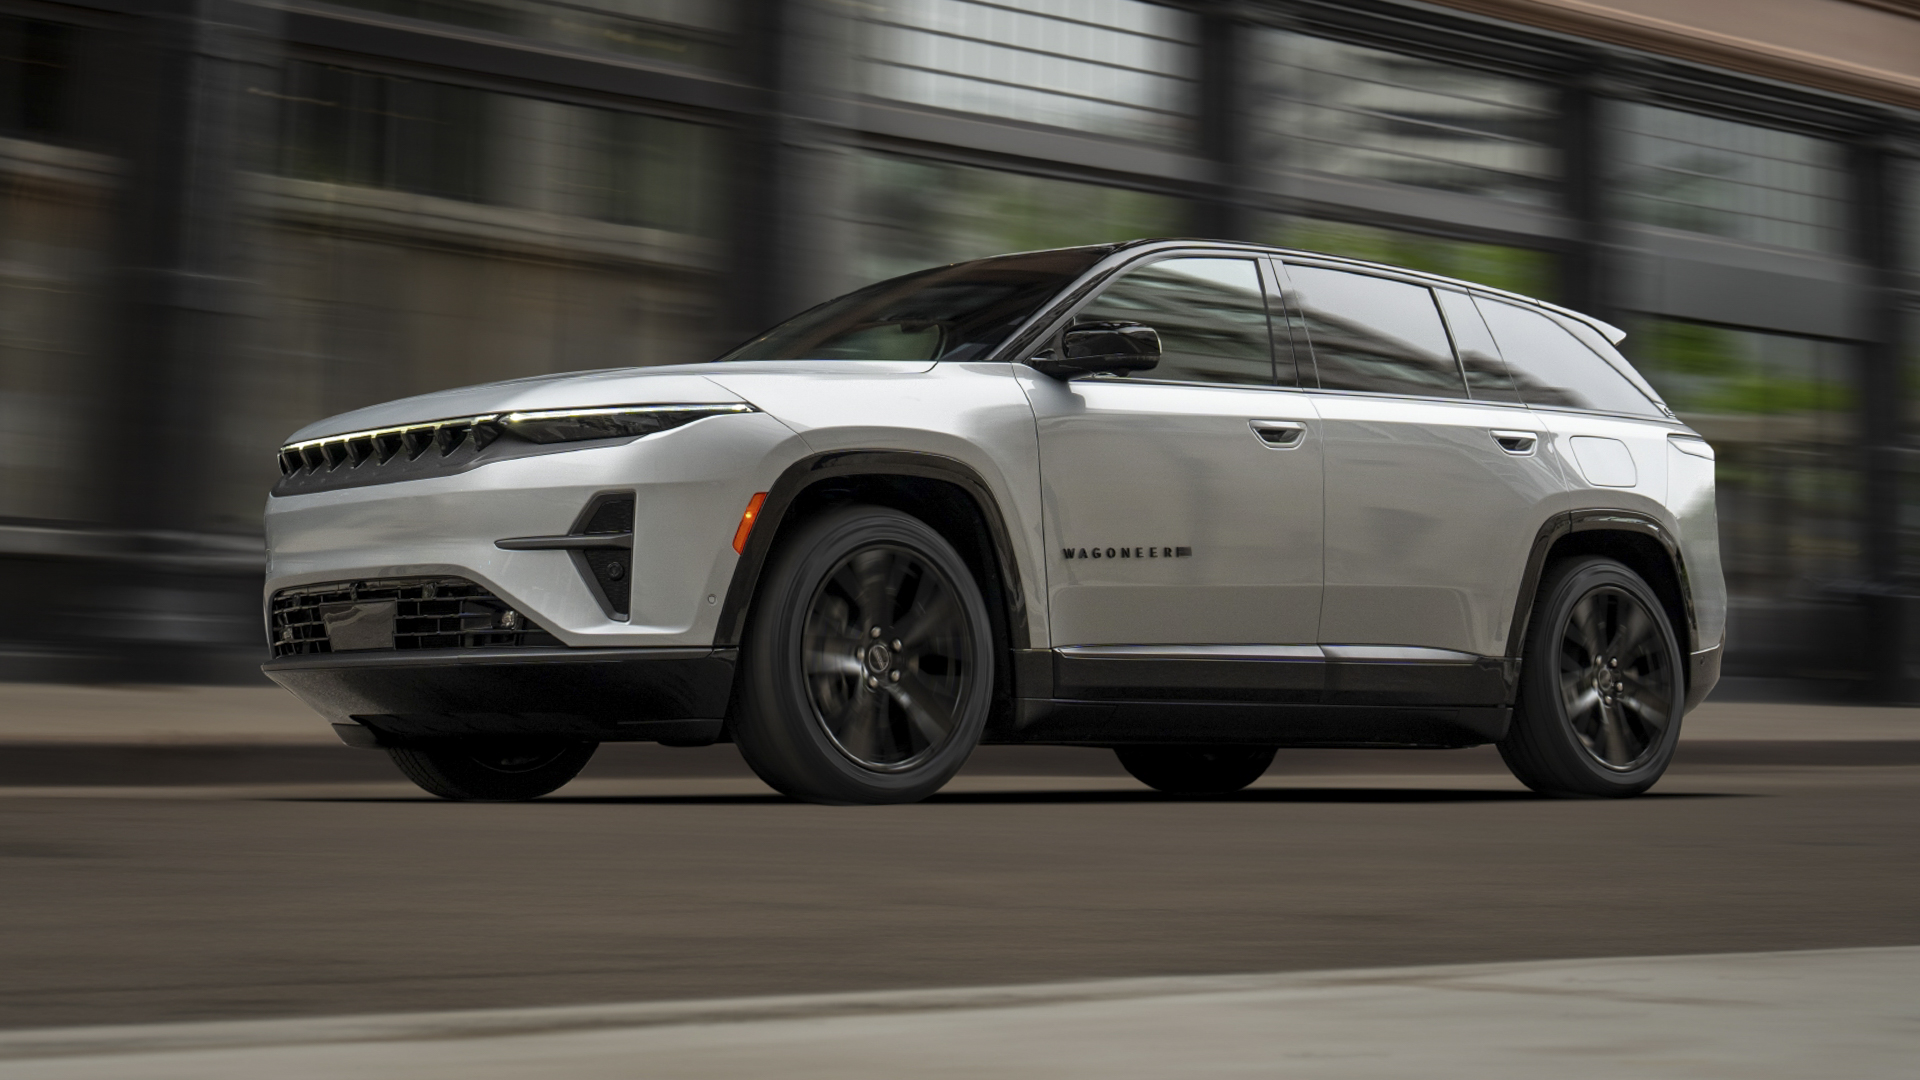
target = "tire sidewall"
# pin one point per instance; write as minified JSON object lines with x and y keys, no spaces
{"x":1541,"y":702}
{"x":779,"y":731}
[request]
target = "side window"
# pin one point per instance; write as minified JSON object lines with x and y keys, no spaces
{"x":1551,"y":367}
{"x":1375,"y":334}
{"x":1487,"y":378}
{"x":1210,"y":313}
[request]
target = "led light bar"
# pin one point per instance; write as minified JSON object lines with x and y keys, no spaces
{"x":536,"y":425}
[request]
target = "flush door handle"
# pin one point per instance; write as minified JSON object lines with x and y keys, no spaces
{"x":1517,"y":443}
{"x":1280,"y":434}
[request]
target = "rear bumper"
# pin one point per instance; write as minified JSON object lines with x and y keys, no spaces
{"x":671,"y":695}
{"x":1703,"y":673}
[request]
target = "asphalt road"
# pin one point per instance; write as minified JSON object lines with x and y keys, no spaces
{"x":129,"y":905}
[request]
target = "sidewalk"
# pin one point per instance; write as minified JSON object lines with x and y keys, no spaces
{"x":1787,"y":1015}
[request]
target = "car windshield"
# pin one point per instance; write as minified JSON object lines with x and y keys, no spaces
{"x":960,"y":312}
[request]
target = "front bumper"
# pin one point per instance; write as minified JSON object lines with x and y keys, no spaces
{"x":604,"y":695}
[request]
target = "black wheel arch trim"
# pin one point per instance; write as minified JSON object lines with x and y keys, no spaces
{"x":797,"y":478}
{"x":1567,"y":523}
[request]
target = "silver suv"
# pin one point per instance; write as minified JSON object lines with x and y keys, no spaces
{"x":1190,"y":501}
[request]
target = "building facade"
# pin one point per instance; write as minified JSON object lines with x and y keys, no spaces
{"x":221,"y":220}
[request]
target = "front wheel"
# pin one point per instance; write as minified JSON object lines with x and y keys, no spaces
{"x":1195,"y":770}
{"x":867,"y":669}
{"x":1601,"y":688}
{"x":493,"y":769}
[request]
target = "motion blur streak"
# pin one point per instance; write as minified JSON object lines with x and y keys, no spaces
{"x":222,"y":220}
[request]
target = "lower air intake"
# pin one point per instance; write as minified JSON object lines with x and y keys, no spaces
{"x":397,"y":614}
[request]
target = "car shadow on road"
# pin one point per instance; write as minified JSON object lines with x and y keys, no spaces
{"x":1257,"y":795}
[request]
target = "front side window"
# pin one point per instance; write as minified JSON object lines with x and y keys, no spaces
{"x":953,"y":313}
{"x":1551,"y":367}
{"x":1375,"y":334}
{"x":1211,"y":314}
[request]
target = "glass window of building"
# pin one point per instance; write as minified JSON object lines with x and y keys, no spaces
{"x":1702,"y":174}
{"x":342,"y":126}
{"x":1349,"y":110}
{"x":411,"y":236}
{"x":56,"y":233}
{"x":911,"y":213}
{"x":691,"y":32}
{"x":1109,"y":67}
{"x":1515,"y":269}
{"x":1780,"y":412}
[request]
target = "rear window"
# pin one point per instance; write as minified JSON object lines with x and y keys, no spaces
{"x":1550,"y":366}
{"x":960,"y":312}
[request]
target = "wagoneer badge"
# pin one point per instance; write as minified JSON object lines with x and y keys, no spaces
{"x":1127,"y":553}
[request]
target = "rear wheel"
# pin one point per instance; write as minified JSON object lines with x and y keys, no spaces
{"x":1195,"y":770}
{"x":867,"y":669}
{"x":1601,"y":688}
{"x":493,"y":769}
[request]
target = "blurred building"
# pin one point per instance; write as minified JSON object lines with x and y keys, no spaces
{"x":221,"y":220}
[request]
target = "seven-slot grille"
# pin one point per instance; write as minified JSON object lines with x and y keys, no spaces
{"x":426,"y":613}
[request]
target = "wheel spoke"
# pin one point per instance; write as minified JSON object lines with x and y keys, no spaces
{"x":926,"y":709}
{"x":1583,"y":627}
{"x":1634,"y":629}
{"x":931,"y":618}
{"x":1614,"y":735}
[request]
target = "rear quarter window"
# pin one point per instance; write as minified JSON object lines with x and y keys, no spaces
{"x":1552,"y":367}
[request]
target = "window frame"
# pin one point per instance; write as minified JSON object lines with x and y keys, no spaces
{"x":1269,"y":293}
{"x":1384,"y":273}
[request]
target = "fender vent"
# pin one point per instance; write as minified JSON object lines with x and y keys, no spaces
{"x":609,"y":569}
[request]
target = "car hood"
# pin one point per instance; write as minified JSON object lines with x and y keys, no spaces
{"x":670,"y":384}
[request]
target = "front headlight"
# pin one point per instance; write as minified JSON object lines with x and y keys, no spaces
{"x":461,"y":440}
{"x":608,"y":422}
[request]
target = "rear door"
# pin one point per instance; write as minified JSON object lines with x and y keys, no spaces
{"x":1182,"y":506}
{"x":1434,"y":495}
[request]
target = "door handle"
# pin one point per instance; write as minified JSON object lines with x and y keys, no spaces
{"x":1517,"y":443}
{"x":1279,"y":434}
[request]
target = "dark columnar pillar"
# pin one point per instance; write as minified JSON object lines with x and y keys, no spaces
{"x":1222,"y":209}
{"x":1587,"y":263}
{"x":179,"y":295}
{"x":1876,"y":228}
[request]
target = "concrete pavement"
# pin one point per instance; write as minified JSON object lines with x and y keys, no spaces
{"x":1757,"y":1016}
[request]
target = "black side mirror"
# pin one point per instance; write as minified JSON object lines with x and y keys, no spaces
{"x":1103,"y":348}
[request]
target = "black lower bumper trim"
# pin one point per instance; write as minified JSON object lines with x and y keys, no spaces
{"x":672,"y":695}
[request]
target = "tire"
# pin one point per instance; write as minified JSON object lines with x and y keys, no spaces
{"x":1195,"y":770}
{"x":493,"y":770}
{"x":1602,"y":686}
{"x":867,"y":667}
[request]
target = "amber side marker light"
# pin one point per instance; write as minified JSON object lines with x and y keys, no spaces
{"x":746,"y":523}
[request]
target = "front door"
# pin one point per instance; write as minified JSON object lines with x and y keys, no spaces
{"x":1182,"y":506}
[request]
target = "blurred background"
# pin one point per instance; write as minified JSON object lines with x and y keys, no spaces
{"x":220,"y":221}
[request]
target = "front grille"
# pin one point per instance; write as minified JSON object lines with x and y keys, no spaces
{"x":397,"y":613}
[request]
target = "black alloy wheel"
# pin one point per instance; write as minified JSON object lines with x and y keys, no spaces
{"x":1602,"y":686}
{"x":1195,"y":770}
{"x":493,"y":769}
{"x":868,"y":665}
